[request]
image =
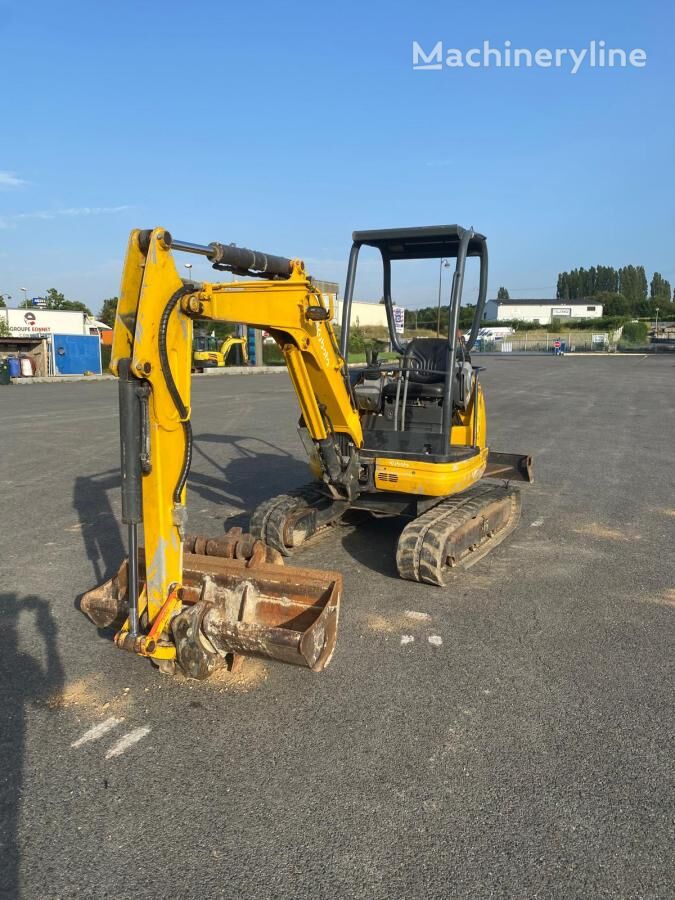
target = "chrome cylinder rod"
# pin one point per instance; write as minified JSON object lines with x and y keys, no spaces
{"x":236,"y":259}
{"x":133,"y":579}
{"x":188,"y":247}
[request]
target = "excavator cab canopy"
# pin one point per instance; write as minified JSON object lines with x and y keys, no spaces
{"x":205,"y":343}
{"x":432,"y":372}
{"x":430,"y":242}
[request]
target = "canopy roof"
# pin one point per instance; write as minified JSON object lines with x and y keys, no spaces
{"x":429,"y":242}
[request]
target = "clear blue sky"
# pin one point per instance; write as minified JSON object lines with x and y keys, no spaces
{"x":283,"y":127}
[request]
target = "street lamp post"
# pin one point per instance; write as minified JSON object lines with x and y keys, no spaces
{"x":656,"y":330}
{"x":25,"y":295}
{"x":188,"y":266}
{"x":443,"y":263}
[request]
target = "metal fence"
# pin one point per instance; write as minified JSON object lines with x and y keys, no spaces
{"x":511,"y":345}
{"x":540,"y":345}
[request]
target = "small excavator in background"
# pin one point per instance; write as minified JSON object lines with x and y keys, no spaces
{"x":209,"y":352}
{"x":405,"y":439}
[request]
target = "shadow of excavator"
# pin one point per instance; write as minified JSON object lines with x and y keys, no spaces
{"x":99,"y":525}
{"x":25,"y":682}
{"x":258,"y":471}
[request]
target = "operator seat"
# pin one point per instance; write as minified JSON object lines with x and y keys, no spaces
{"x":426,"y":361}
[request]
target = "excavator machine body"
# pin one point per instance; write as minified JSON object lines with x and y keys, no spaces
{"x":407,"y":438}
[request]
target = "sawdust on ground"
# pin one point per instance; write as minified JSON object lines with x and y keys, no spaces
{"x":398,"y":622}
{"x":666,"y":599}
{"x":89,"y":694}
{"x":251,"y":675}
{"x":594,"y":529}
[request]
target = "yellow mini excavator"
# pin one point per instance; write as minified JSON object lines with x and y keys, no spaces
{"x":209,"y":352}
{"x":405,"y":438}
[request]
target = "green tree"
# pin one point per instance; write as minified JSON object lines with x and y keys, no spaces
{"x":563,"y":289}
{"x":466,"y":314}
{"x":56,"y":300}
{"x":76,"y":306}
{"x":503,"y":294}
{"x":659,"y":288}
{"x":634,"y":333}
{"x":613,"y":304}
{"x":587,"y":282}
{"x":633,"y":283}
{"x":108,"y":311}
{"x":3,"y":304}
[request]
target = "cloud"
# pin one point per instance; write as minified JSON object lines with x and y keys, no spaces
{"x":10,"y":180}
{"x":70,"y":212}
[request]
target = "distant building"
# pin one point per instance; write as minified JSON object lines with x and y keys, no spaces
{"x":363,"y":314}
{"x":60,"y":342}
{"x":541,"y":311}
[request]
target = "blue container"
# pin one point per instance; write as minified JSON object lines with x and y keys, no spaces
{"x":75,"y":354}
{"x":14,"y":367}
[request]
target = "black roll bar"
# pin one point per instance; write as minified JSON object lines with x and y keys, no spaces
{"x":453,"y":320}
{"x":482,"y":294}
{"x":389,"y":304}
{"x":347,"y":301}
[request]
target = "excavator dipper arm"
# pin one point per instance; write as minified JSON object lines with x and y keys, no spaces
{"x":151,"y":355}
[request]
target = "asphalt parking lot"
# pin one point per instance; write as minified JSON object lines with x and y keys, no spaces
{"x":526,"y":751}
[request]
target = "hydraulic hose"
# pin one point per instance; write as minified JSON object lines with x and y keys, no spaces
{"x":181,"y":408}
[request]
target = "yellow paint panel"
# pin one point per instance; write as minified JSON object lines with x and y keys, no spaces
{"x":428,"y":478}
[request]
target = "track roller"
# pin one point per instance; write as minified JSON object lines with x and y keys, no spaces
{"x":288,"y":520}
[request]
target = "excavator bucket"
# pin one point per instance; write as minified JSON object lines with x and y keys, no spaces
{"x":242,"y":601}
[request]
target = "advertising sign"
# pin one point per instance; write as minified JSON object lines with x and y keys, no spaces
{"x":28,"y":323}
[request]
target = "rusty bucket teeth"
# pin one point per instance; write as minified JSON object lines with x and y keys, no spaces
{"x":262,"y":609}
{"x":106,"y":605}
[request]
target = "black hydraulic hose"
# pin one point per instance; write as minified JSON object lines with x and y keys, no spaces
{"x":181,"y":408}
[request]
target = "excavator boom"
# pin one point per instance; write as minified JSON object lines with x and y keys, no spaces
{"x":286,"y":613}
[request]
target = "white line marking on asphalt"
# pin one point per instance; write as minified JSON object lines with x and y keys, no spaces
{"x":537,"y":523}
{"x":435,"y":640}
{"x":407,"y":639}
{"x":98,"y":731}
{"x":417,"y":616}
{"x":127,"y":741}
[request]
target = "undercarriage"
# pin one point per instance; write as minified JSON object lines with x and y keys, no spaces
{"x":443,"y":535}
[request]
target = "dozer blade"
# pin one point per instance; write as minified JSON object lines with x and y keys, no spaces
{"x":511,"y":466}
{"x":251,"y":605}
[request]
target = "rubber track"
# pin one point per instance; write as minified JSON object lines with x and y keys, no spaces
{"x":420,"y":554}
{"x":269,"y":518}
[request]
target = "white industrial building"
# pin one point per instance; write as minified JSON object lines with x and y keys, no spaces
{"x":541,"y":311}
{"x":57,"y":342}
{"x":363,"y":314}
{"x":38,"y":322}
